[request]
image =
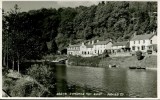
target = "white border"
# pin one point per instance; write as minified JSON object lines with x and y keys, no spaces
{"x":158,"y":59}
{"x":1,"y":49}
{"x":158,"y":41}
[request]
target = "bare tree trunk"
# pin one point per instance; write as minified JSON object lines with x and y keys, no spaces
{"x":7,"y":51}
{"x":7,"y":58}
{"x":18,"y":64}
{"x":4,"y":53}
{"x":13,"y":64}
{"x":4,"y":59}
{"x":18,"y":61}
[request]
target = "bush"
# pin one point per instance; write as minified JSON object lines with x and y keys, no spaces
{"x":45,"y":75}
{"x":139,"y":55}
{"x":26,"y":88}
{"x":105,"y":54}
{"x":8,"y":83}
{"x":149,"y":51}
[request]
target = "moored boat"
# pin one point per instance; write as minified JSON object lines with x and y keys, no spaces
{"x":141,"y":68}
{"x":132,"y":67}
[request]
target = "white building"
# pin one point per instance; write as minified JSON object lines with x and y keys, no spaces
{"x":73,"y":49}
{"x":120,"y":47}
{"x":101,"y":46}
{"x":143,"y":42}
{"x":86,"y":49}
{"x":89,"y":49}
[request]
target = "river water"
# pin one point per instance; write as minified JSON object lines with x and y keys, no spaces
{"x":80,"y":81}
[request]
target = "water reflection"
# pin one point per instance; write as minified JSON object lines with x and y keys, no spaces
{"x":142,"y":83}
{"x":115,"y":81}
{"x":85,"y":76}
{"x":60,"y":78}
{"x":132,"y":83}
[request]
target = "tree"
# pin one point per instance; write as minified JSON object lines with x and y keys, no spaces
{"x":54,"y":47}
{"x":5,"y":38}
{"x":10,"y":35}
{"x":139,"y":55}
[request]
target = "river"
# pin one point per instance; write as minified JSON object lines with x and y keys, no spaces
{"x":105,"y":82}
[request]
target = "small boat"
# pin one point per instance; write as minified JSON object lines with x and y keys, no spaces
{"x":114,"y":66}
{"x":132,"y":67}
{"x":141,"y":68}
{"x":110,"y":66}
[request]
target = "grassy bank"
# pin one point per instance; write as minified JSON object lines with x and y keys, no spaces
{"x":149,"y":61}
{"x":80,"y":61}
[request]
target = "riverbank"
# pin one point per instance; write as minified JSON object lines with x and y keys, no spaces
{"x":18,"y":85}
{"x":149,"y":62}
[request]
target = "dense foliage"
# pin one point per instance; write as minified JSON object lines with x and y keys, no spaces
{"x":139,"y":55}
{"x":45,"y":75}
{"x":25,"y":34}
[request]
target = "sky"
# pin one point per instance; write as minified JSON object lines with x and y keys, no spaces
{"x":33,"y":5}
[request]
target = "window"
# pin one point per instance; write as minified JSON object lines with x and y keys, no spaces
{"x":143,"y":41}
{"x":139,"y":41}
{"x":133,"y":47}
{"x":134,"y":42}
{"x":138,"y":48}
{"x":150,"y":41}
{"x":143,"y":47}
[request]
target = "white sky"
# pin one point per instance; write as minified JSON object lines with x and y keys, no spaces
{"x":32,"y":5}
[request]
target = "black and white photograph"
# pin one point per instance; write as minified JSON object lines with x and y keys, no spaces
{"x":79,"y":49}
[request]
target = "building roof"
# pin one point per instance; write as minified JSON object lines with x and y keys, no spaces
{"x":89,"y":46}
{"x":102,"y":42}
{"x":142,"y":37}
{"x":75,"y":45}
{"x":124,"y":43}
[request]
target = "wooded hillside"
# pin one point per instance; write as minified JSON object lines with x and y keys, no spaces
{"x":25,"y":34}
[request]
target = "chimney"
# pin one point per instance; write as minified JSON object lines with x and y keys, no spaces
{"x":110,"y":39}
{"x":153,"y":32}
{"x":135,"y":33}
{"x":92,"y":41}
{"x":82,"y":43}
{"x":89,"y":42}
{"x":97,"y":41}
